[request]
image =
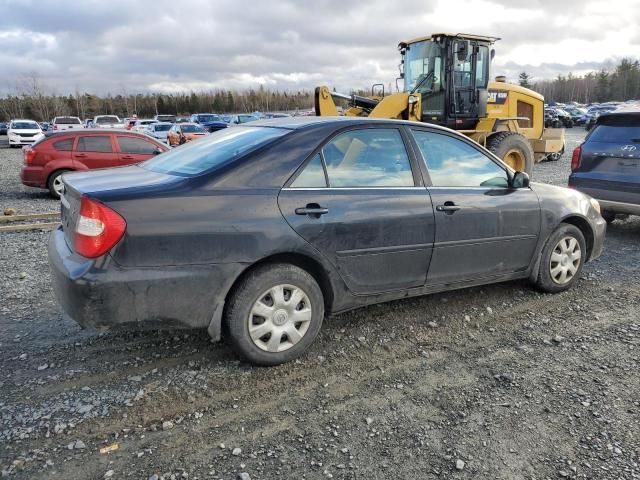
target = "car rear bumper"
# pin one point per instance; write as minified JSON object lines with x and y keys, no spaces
{"x":32,"y":177}
{"x":101,"y":294}
{"x":620,"y":207}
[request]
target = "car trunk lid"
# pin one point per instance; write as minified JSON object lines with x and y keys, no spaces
{"x":105,"y":185}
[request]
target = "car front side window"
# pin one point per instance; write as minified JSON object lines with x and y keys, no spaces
{"x":372,"y":157}
{"x":454,"y":163}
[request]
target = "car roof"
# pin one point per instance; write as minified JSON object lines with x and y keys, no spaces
{"x":301,"y":122}
{"x":83,"y":131}
{"x":23,"y":120}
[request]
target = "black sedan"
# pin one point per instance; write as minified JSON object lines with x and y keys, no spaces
{"x":264,"y":229}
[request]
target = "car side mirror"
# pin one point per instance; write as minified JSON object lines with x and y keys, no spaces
{"x":519,"y":180}
{"x":158,"y":151}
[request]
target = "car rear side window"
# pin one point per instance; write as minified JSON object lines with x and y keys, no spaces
{"x":64,"y":145}
{"x":97,"y":143}
{"x":618,"y":130}
{"x":135,"y":145}
{"x":312,"y":176}
{"x":219,"y":148}
{"x":455,"y":163}
{"x":372,"y":157}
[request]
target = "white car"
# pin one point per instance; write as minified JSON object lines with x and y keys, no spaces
{"x":107,"y":121}
{"x":158,"y":130}
{"x":142,"y":124}
{"x":23,"y":132}
{"x":66,"y":123}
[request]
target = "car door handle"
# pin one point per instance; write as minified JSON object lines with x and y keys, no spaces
{"x":448,"y":207}
{"x":127,"y":157}
{"x":313,"y":210}
{"x":80,"y":155}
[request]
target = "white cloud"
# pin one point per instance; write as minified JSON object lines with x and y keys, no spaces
{"x":151,"y":45}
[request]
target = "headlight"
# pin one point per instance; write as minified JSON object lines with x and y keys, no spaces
{"x":595,"y":204}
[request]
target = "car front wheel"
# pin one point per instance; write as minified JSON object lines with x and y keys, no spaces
{"x":274,"y":314}
{"x":562,"y":259}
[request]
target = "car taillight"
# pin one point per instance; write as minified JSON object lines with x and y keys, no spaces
{"x":98,"y":229}
{"x":575,"y":159}
{"x":29,"y":155}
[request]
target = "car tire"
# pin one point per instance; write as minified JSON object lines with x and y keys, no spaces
{"x":510,"y":144}
{"x":269,"y":290}
{"x":565,"y":251}
{"x":608,"y":216}
{"x":53,"y":183}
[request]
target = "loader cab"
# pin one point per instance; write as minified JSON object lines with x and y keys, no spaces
{"x":451,"y":74}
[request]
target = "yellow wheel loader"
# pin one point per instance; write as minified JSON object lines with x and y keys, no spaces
{"x":447,"y":82}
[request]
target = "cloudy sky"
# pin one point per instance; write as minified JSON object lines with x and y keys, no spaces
{"x":137,"y":46}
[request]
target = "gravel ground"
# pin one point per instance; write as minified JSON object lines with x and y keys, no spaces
{"x":496,"y":382}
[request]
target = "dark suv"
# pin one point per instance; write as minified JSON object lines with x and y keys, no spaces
{"x":607,"y":165}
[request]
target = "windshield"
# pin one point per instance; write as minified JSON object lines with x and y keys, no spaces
{"x":423,"y":61}
{"x":166,"y":118}
{"x":193,"y":129}
{"x":25,"y":126}
{"x":208,"y":118}
{"x":67,"y":121}
{"x":219,"y":148}
{"x":162,"y":128}
{"x":107,"y":119}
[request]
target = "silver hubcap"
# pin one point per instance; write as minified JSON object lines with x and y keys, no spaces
{"x":279,"y":318}
{"x":565,"y":260}
{"x":57,"y":184}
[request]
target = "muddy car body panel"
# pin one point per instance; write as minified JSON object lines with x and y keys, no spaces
{"x":191,"y":237}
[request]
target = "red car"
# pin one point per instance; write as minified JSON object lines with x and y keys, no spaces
{"x":60,"y":152}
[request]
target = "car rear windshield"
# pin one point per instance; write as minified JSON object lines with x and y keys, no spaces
{"x":193,"y":129}
{"x":101,"y":120}
{"x":623,"y":129}
{"x":219,"y":148}
{"x":166,"y":118}
{"x":67,"y":121}
{"x":162,"y":128}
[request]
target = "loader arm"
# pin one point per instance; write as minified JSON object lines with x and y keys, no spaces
{"x":399,"y":105}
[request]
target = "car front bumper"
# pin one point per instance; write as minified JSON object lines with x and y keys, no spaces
{"x":21,"y":140}
{"x":102,"y":294}
{"x":599,"y":233}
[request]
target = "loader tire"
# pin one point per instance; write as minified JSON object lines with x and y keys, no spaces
{"x":513,"y":149}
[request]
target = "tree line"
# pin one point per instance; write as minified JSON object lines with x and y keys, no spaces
{"x":33,"y":100}
{"x":619,"y":84}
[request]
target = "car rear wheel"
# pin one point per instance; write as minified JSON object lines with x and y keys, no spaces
{"x":274,"y":314}
{"x":54,"y":184}
{"x":562,"y":259}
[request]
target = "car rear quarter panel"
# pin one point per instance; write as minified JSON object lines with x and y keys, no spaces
{"x":187,"y":227}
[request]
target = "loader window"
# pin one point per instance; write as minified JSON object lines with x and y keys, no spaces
{"x":482,"y":67}
{"x":423,"y":67}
